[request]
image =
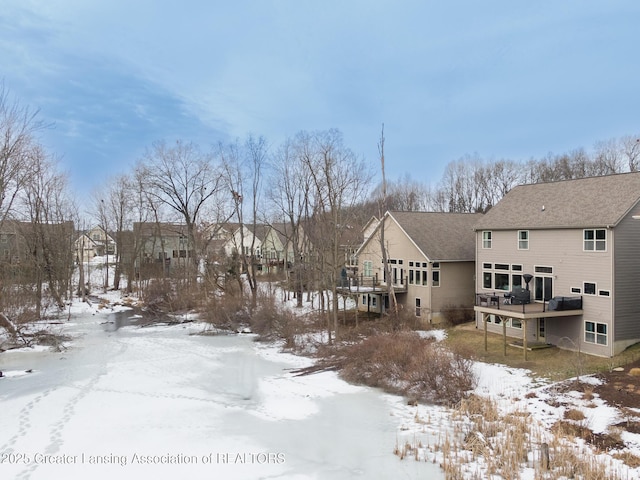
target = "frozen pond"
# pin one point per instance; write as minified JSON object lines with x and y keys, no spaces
{"x":161,"y":403}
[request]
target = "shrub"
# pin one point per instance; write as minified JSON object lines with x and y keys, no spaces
{"x":405,"y":363}
{"x":457,"y":314}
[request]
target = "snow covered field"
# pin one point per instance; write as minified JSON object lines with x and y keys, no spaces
{"x":164,"y":402}
{"x":158,"y":402}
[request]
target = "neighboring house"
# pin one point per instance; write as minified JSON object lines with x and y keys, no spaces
{"x":161,"y":245}
{"x":94,"y":243}
{"x":577,"y":239}
{"x":276,"y":254}
{"x":241,"y":241}
{"x":431,"y":262}
{"x":27,"y":247}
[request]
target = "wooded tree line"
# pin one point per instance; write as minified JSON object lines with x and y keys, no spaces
{"x":472,"y":184}
{"x":312,"y":185}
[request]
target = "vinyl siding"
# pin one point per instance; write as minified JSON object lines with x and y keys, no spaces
{"x":627,"y":279}
{"x":561,"y":249}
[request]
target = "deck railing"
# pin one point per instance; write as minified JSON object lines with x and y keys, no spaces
{"x":505,"y":301}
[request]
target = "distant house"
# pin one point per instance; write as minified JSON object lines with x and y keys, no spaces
{"x":277,"y":253}
{"x":430,"y":258}
{"x":95,"y":242}
{"x":161,"y":245}
{"x":568,"y":255}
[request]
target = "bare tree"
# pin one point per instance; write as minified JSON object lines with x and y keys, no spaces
{"x":383,"y":246}
{"x":340,"y":181}
{"x":290,"y":195}
{"x":48,"y":230}
{"x":243,"y":169}
{"x":630,"y":146}
{"x":184,"y":180}
{"x":608,"y":157}
{"x":18,"y":125}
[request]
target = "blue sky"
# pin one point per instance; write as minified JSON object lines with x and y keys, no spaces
{"x":503,"y":79}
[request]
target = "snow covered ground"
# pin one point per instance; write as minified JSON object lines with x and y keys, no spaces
{"x":159,"y":402}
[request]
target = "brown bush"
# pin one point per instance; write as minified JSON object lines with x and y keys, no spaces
{"x":271,"y":322}
{"x":405,"y":363}
{"x":457,"y":314}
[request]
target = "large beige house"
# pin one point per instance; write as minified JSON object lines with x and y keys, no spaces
{"x":431,"y":263}
{"x":569,"y":252}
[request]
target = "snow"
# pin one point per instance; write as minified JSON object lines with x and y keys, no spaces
{"x":161,"y":402}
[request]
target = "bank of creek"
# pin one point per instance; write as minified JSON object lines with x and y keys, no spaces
{"x":165,"y":402}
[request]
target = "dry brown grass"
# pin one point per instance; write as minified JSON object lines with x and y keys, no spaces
{"x":574,"y":414}
{"x":628,"y":458}
{"x":488,"y":444}
{"x":553,"y":363}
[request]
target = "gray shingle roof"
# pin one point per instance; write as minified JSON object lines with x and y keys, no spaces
{"x":586,"y":202}
{"x":441,"y":236}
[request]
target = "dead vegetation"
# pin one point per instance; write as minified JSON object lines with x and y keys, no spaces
{"x":488,"y":443}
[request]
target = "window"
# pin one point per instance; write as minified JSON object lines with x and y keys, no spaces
{"x":425,"y":278}
{"x":435,"y":275}
{"x":515,"y":323}
{"x":486,"y":280}
{"x":368,"y":268}
{"x":539,"y":269}
{"x":418,"y":309}
{"x":576,"y":290}
{"x":516,"y":280}
{"x":589,"y":288}
{"x":595,"y":333}
{"x":364,"y":299}
{"x":523,"y":239}
{"x":502,"y":266}
{"x":374,"y":301}
{"x":502,"y":281}
{"x":411,"y":277}
{"x":486,"y":239}
{"x":604,"y":293}
{"x":516,"y":268}
{"x":488,"y":266}
{"x":595,"y":240}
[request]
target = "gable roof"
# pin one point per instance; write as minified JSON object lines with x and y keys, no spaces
{"x":586,"y":202}
{"x":440,"y":236}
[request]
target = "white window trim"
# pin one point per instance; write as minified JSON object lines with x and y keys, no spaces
{"x":595,"y":288}
{"x":596,"y":334}
{"x":594,"y":230}
{"x":487,"y":243}
{"x":521,"y":240}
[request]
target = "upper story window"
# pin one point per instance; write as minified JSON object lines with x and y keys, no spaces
{"x":523,"y":239}
{"x":368,"y":268}
{"x":595,"y":240}
{"x":486,"y":239}
{"x":435,"y":274}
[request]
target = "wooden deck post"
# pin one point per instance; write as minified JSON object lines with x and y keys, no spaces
{"x":504,"y":335}
{"x":524,"y":338}
{"x":484,"y":319}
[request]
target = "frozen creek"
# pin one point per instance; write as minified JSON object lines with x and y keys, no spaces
{"x":158,"y":402}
